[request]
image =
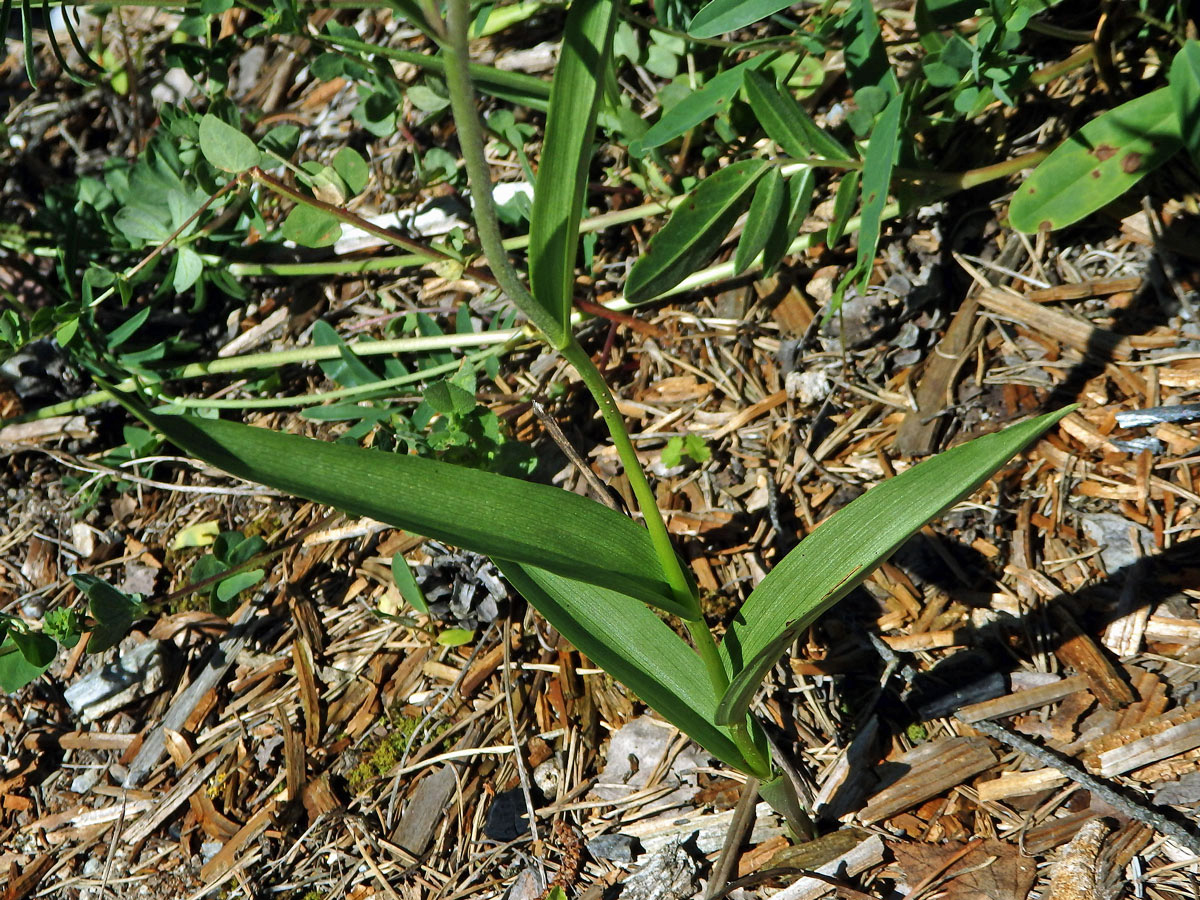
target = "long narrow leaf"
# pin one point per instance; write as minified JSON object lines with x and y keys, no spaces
{"x":694,"y":231}
{"x":27,"y":40}
{"x":492,"y":514}
{"x":566,"y":154}
{"x":787,"y":123}
{"x":766,"y":217}
{"x":878,"y":162}
{"x":843,"y":550}
{"x":843,"y":206}
{"x":1185,"y":91}
{"x":636,"y":647}
{"x":696,"y":107}
{"x":74,"y":36}
{"x":56,"y":49}
{"x":798,"y":202}
{"x":1093,"y":167}
{"x":866,"y":59}
{"x":722,"y":16}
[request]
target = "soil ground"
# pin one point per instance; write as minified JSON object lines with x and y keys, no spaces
{"x":946,"y":717}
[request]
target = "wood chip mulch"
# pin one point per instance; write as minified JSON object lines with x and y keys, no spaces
{"x":1007,"y":708}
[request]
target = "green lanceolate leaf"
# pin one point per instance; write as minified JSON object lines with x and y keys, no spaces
{"x":798,"y":202}
{"x":787,"y":123}
{"x":1107,"y":157}
{"x":877,"y":178}
{"x":566,"y":154}
{"x":845,"y":548}
{"x":406,"y":584}
{"x":696,"y":107}
{"x":866,"y":59}
{"x":1185,"y":92}
{"x":491,"y":514}
{"x":636,"y":647}
{"x":226,"y":147}
{"x":843,"y":206}
{"x":723,"y":16}
{"x":695,"y":230}
{"x":347,"y":370}
{"x":767,"y":216}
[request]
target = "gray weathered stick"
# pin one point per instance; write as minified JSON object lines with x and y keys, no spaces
{"x":1141,"y":812}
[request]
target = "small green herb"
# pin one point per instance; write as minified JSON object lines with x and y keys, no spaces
{"x":692,"y":446}
{"x":230,"y":550}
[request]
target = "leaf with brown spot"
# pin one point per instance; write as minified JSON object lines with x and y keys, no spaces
{"x":1129,"y":142}
{"x":1131,"y":163}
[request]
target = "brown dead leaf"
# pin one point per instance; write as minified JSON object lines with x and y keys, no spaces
{"x":992,"y":870}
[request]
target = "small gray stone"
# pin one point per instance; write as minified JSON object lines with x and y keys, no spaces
{"x":139,"y":579}
{"x":1117,"y":535}
{"x":614,"y":847}
{"x":528,"y":885}
{"x":1183,"y":792}
{"x":635,"y":751}
{"x":547,"y":777}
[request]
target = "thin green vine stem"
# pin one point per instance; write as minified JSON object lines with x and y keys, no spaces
{"x":277,"y":359}
{"x":376,"y":390}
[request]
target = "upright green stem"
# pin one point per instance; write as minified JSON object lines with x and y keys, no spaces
{"x":559,"y":335}
{"x":647,"y":505}
{"x":470,"y":139}
{"x":702,"y":637}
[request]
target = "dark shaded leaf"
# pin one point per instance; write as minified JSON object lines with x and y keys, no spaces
{"x":800,"y":188}
{"x":695,"y":230}
{"x":767,"y":216}
{"x":787,"y":123}
{"x":843,"y":205}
